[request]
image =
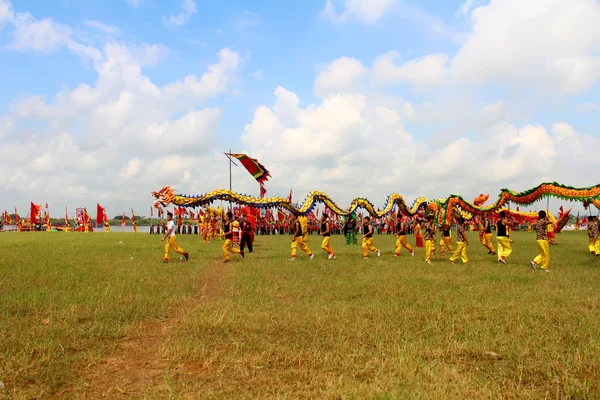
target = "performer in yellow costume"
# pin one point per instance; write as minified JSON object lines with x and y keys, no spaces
{"x":429,"y":235}
{"x":487,"y":237}
{"x":461,"y":243}
{"x":401,"y":228}
{"x":228,"y":245}
{"x":541,"y":235}
{"x":504,"y":246}
{"x":592,"y":231}
{"x":326,"y":233}
{"x":367,"y":241}
{"x":446,"y":242}
{"x":170,"y":238}
{"x":297,"y":240}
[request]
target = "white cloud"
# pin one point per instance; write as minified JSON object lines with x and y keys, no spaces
{"x":103,"y":142}
{"x":188,"y":8}
{"x":424,"y":71}
{"x":543,"y":44}
{"x":46,"y":36}
{"x":349,"y":138}
{"x":131,"y":169}
{"x":339,"y":76}
{"x":364,"y":11}
{"x":6,"y":13}
{"x":108,"y":29}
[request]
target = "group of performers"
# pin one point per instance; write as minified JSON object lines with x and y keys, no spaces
{"x":424,"y":230}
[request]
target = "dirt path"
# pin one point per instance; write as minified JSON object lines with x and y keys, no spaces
{"x":136,"y":363}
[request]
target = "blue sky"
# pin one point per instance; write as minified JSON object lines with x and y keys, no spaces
{"x":421,"y":94}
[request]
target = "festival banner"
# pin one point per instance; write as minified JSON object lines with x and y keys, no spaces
{"x":123,"y":221}
{"x":35,"y":213}
{"x":256,"y":169}
{"x":7,"y":220}
{"x":99,"y":213}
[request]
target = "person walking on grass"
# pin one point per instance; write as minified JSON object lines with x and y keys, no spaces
{"x":461,"y":242}
{"x":246,"y":236}
{"x":401,"y":230}
{"x":592,"y":231}
{"x":541,"y":235}
{"x":171,"y":241}
{"x":503,"y":238}
{"x":367,"y":241}
{"x":298,"y":239}
{"x":487,"y":237}
{"x":228,"y":232}
{"x":446,"y":242}
{"x":326,"y":233}
{"x":429,"y":235}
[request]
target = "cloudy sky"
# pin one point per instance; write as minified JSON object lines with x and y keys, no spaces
{"x":107,"y":101}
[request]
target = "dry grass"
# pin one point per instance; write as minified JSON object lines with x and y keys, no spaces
{"x":265,"y":327}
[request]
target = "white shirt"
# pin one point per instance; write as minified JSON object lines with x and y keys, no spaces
{"x":171,"y":227}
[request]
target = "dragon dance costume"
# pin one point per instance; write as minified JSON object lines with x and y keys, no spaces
{"x":350,"y":229}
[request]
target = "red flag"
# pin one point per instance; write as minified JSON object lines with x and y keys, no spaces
{"x":123,"y":220}
{"x":132,"y":217}
{"x":7,"y":220}
{"x":151,"y":212}
{"x":99,"y":213}
{"x":66,"y":217}
{"x":46,"y":205}
{"x":35,"y":213}
{"x":16,"y":217}
{"x":256,"y":169}
{"x":160,"y":212}
{"x":290,"y":196}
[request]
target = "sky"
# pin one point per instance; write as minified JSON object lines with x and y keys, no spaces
{"x":108,"y":101}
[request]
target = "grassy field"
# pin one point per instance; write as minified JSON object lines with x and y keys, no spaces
{"x":93,"y":315}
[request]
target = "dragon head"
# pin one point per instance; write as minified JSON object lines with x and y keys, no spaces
{"x":164,"y":196}
{"x":481,"y":199}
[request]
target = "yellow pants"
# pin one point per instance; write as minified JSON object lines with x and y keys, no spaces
{"x":400,"y":243}
{"x":172,"y":244}
{"x":488,"y":242}
{"x":299,"y":242}
{"x":446,"y":241}
{"x":228,"y":248}
{"x":367,"y":244}
{"x":504,"y":247}
{"x":429,"y":247}
{"x":543,"y":259}
{"x":461,"y":251}
{"x":592,"y":245}
{"x":326,"y":246}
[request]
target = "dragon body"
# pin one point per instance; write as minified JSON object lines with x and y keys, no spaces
{"x":444,"y":209}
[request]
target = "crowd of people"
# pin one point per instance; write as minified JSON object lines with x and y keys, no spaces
{"x":235,"y":230}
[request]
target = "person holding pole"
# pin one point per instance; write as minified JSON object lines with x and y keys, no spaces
{"x":541,"y":235}
{"x":326,"y":233}
{"x":171,"y":241}
{"x":297,"y":240}
{"x":228,"y":232}
{"x":367,"y":241}
{"x":503,"y":238}
{"x":461,"y":242}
